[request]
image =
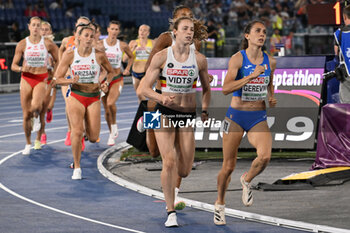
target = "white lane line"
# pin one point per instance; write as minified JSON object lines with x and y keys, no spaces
{"x":57,"y":114}
{"x":64,"y":212}
{"x":58,"y":210}
{"x":16,"y":134}
{"x":64,"y":119}
{"x":205,"y":206}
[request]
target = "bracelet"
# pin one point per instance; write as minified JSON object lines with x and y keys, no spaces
{"x":20,"y":69}
{"x":54,"y":78}
{"x":205,"y":112}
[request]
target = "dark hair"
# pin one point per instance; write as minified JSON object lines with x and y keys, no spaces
{"x":114,"y":22}
{"x":180,"y":7}
{"x":247,"y":30}
{"x":346,"y":11}
{"x":177,"y":22}
{"x":81,"y":25}
{"x":83,"y":28}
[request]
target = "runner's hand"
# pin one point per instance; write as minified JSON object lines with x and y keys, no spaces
{"x":211,"y":78}
{"x":258,"y":71}
{"x":167,"y":100}
{"x":126,"y":73}
{"x":104,"y":87}
{"x":272,"y":102}
{"x":75,"y":79}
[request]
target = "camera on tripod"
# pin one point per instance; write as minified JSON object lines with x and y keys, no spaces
{"x":339,"y":73}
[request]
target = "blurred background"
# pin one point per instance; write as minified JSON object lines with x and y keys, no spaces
{"x":286,"y":21}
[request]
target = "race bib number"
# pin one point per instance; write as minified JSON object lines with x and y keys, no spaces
{"x":226,"y":126}
{"x":256,"y":89}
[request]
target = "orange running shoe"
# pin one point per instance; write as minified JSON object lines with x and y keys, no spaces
{"x":49,"y":116}
{"x":67,"y":142}
{"x":43,"y":139}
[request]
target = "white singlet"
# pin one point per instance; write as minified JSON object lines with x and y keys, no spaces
{"x":179,"y":77}
{"x":86,"y":68}
{"x":35,"y":55}
{"x":114,"y":54}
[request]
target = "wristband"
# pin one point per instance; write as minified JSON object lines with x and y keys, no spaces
{"x":205,"y":112}
{"x":54,"y":78}
{"x":20,"y":69}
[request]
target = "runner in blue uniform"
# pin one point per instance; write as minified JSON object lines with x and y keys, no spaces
{"x":249,"y":78}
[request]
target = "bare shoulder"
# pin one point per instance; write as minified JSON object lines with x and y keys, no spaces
{"x":237,"y":55}
{"x":160,"y":56}
{"x":21,"y":43}
{"x":123,"y":44}
{"x":163,"y":41}
{"x":68,"y":53}
{"x":99,"y":46}
{"x":132,"y":43}
{"x":65,"y":40}
{"x":236,"y":59}
{"x":99,"y":53}
{"x":273,"y":61}
{"x":200,"y":57}
{"x":48,"y":42}
{"x":161,"y":53}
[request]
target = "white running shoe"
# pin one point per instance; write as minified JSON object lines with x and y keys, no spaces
{"x":172,"y":220}
{"x":110,"y":141}
{"x":76,"y":174}
{"x":247,"y":195}
{"x":139,"y":125}
{"x":179,"y":204}
{"x":114,"y":130}
{"x":219,"y":214}
{"x":26,"y":150}
{"x":36,"y":124}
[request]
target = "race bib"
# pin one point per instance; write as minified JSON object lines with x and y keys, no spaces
{"x":256,"y":89}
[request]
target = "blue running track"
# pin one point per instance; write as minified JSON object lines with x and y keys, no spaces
{"x":38,"y":195}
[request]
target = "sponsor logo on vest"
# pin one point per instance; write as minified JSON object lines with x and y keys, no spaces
{"x":258,"y":80}
{"x":177,"y":72}
{"x":81,"y":67}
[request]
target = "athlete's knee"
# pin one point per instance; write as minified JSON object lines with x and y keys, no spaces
{"x":154,"y":152}
{"x":264,"y":157}
{"x":93,"y":140}
{"x":153,"y":149}
{"x":36,"y":107}
{"x":183,"y":173}
{"x":77,"y":132}
{"x":169,"y":164}
{"x":110,"y":104}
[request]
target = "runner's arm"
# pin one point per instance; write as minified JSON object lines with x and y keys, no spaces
{"x":17,"y":57}
{"x":163,"y":41}
{"x":59,"y":77}
{"x":204,"y":78}
{"x":152,"y":73}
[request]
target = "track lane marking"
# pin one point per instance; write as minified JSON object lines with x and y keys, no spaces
{"x":3,"y":187}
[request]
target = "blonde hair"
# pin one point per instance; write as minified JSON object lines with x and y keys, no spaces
{"x":33,"y":18}
{"x":51,"y":37}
